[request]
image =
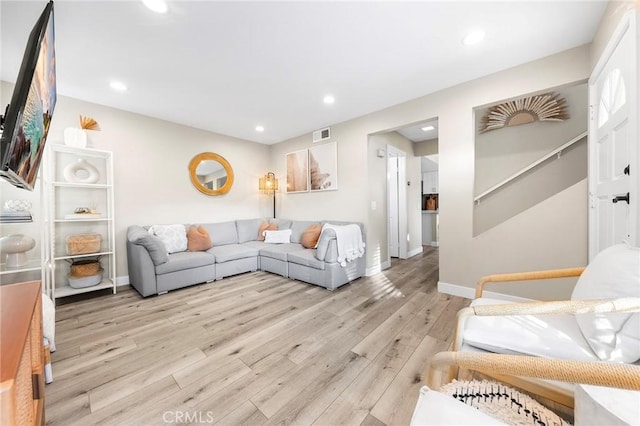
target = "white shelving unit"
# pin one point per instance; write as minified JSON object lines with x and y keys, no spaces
{"x":63,"y":197}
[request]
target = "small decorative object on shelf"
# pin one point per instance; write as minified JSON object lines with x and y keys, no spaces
{"x":15,"y":217}
{"x":77,"y":138}
{"x":84,"y":213}
{"x":16,"y":247}
{"x":81,"y":171}
{"x":17,"y":205}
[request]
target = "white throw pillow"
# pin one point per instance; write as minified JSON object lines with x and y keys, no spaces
{"x":174,"y":237}
{"x":277,"y":237}
{"x":613,"y":273}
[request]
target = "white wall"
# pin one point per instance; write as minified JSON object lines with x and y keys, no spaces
{"x":151,"y":159}
{"x":463,"y":259}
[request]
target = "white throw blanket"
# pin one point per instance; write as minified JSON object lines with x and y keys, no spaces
{"x":349,"y":241}
{"x":49,"y":321}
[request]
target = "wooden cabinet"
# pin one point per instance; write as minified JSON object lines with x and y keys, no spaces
{"x":21,"y":355}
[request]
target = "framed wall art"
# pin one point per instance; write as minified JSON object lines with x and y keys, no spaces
{"x":323,"y":167}
{"x":297,"y":164}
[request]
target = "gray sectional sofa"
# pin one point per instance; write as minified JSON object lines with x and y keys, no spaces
{"x":236,"y":250}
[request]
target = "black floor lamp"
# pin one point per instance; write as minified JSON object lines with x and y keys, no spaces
{"x":268,"y":184}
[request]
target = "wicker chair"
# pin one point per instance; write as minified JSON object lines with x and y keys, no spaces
{"x":598,"y":329}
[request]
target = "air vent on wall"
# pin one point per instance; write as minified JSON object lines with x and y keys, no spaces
{"x":322,"y":135}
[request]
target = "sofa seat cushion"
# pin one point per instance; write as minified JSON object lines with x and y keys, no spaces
{"x":258,"y":245}
{"x":551,"y":336}
{"x":279,"y":251}
{"x":230,"y":252}
{"x":185,"y":260}
{"x":306,"y":257}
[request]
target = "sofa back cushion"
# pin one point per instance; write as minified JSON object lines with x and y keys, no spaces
{"x":281,"y":223}
{"x":298,"y":227}
{"x":222,"y":233}
{"x":248,"y":229}
{"x":613,"y":273}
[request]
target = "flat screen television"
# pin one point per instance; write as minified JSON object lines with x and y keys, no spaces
{"x":27,"y":117}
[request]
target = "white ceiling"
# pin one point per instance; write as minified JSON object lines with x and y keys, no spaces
{"x":230,"y":66}
{"x":415,"y":133}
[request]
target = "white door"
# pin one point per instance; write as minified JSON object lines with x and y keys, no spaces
{"x":613,"y":143}
{"x":397,"y":202}
{"x":394,"y":222}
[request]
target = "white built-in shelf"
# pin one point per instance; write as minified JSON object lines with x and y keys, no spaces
{"x":93,"y":219}
{"x":80,"y":256}
{"x":81,"y":185}
{"x":64,"y":291}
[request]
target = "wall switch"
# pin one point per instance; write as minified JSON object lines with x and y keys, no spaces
{"x":374,"y":205}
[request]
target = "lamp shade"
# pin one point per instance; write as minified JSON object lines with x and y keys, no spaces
{"x":268,"y":183}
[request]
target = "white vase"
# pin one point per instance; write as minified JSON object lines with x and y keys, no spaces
{"x":81,"y":171}
{"x":75,"y":137}
{"x":16,"y":247}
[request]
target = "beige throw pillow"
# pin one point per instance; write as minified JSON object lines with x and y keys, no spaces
{"x":310,"y":236}
{"x":198,"y":239}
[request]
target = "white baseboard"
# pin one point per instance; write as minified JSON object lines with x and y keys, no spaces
{"x":435,"y":244}
{"x":377,"y":268}
{"x":415,"y":252}
{"x":469,"y":292}
{"x":124,"y":280}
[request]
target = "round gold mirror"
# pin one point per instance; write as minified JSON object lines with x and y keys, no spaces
{"x":211,"y":174}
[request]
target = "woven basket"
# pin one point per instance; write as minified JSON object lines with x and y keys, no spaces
{"x":83,"y":243}
{"x":85,"y":268}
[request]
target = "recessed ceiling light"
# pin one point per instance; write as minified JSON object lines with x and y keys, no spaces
{"x":259,"y":129}
{"x":427,"y":128}
{"x":329,"y":99}
{"x":158,"y":6}
{"x":474,"y":37}
{"x":118,"y":86}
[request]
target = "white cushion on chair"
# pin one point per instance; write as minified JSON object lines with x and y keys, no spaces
{"x":613,"y":273}
{"x":435,"y":408}
{"x":555,"y":336}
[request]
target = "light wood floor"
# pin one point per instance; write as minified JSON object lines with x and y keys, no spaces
{"x":253,"y":349}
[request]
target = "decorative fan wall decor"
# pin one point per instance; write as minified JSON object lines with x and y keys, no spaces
{"x":545,"y":107}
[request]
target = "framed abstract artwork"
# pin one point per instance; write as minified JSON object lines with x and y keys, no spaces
{"x":297,"y":164}
{"x":323,"y":167}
